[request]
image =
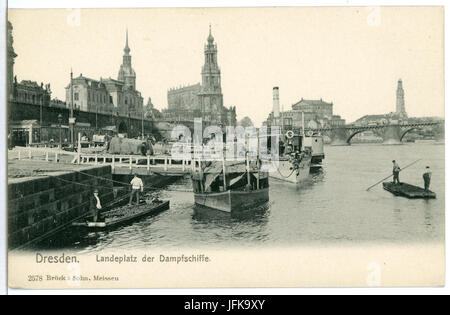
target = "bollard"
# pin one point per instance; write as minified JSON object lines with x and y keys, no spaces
{"x":96,"y":160}
{"x":18,"y":155}
{"x":165,"y":163}
{"x":56,"y":157}
{"x":148,"y":163}
{"x":29,"y":154}
{"x":131,"y":161}
{"x":113,"y":162}
{"x":46,"y":156}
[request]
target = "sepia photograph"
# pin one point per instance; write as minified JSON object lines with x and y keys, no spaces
{"x":225,"y":147}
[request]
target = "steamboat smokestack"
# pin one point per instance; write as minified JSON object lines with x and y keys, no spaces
{"x":276,"y":101}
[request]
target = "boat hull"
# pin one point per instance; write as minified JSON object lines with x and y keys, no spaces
{"x":233,"y":201}
{"x":147,"y":210}
{"x":286,"y":174}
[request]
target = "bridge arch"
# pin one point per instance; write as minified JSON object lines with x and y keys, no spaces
{"x":354,"y":134}
{"x":406,"y":131}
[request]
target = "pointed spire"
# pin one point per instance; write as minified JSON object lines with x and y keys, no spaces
{"x":210,"y":37}
{"x":127,"y":49}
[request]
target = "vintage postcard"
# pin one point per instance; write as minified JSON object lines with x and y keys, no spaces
{"x":225,"y":147}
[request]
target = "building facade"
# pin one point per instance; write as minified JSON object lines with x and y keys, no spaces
{"x":29,"y":92}
{"x":119,"y":97}
{"x":315,"y":113}
{"x":205,"y":99}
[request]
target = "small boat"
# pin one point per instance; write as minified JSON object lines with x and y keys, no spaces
{"x":126,"y":214}
{"x":408,"y":191}
{"x":231,"y":187}
{"x":294,"y":169}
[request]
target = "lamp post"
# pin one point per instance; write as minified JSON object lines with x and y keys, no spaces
{"x":96,"y":119}
{"x":142,"y":122}
{"x":40,"y":118}
{"x":60,"y":140}
{"x":71,"y":119}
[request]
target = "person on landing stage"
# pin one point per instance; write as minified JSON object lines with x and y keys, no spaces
{"x":136,"y":186}
{"x":395,"y":171}
{"x":427,"y":178}
{"x":96,"y":206}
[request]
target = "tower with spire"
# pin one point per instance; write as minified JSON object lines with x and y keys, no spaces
{"x":10,"y":58}
{"x":400,"y":106}
{"x":126,"y":72}
{"x":211,"y":98}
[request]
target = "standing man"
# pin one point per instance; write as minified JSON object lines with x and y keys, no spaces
{"x":96,"y":206}
{"x":396,"y":171}
{"x":136,"y":186}
{"x":427,"y":178}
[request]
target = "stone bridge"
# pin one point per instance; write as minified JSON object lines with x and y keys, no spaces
{"x":391,"y":133}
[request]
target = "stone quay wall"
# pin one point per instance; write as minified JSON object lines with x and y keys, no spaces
{"x":40,"y":206}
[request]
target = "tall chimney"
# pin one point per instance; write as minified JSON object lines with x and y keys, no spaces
{"x":276,"y":102}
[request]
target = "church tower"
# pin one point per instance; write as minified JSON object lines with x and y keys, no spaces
{"x":126,"y":72}
{"x":211,"y":98}
{"x":400,"y":107}
{"x":10,"y":57}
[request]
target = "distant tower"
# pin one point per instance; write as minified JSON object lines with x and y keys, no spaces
{"x":10,"y":57}
{"x":211,"y":98}
{"x":400,"y":107}
{"x":276,"y":102}
{"x":126,"y":72}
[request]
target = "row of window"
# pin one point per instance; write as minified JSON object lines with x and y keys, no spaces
{"x":30,"y":98}
{"x":98,"y":98}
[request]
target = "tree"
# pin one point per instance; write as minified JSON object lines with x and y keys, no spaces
{"x":245,"y":122}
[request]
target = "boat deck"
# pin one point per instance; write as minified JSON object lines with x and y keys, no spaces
{"x":125,"y":215}
{"x":408,"y":191}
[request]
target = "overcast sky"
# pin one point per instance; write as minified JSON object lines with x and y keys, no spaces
{"x":352,"y":57}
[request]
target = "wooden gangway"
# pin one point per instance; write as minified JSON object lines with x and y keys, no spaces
{"x":160,"y":164}
{"x":138,"y":164}
{"x":120,"y":164}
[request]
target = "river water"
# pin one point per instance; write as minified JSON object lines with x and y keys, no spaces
{"x":333,"y":208}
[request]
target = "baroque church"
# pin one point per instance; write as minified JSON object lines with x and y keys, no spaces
{"x":118,"y":97}
{"x":202,"y":100}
